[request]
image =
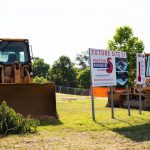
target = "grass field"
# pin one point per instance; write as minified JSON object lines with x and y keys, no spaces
{"x":76,"y":130}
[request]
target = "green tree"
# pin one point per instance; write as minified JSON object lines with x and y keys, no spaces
{"x":63,"y":72}
{"x":40,"y":68}
{"x":83,"y":78}
{"x":124,"y":40}
{"x":83,"y":59}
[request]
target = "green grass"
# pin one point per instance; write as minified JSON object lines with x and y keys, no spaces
{"x":76,"y":130}
{"x":77,"y":116}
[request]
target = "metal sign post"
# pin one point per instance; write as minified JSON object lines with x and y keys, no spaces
{"x":92,"y":99}
{"x":112,"y":102}
{"x":128,"y":100}
{"x":92,"y":90}
{"x":140,"y":100}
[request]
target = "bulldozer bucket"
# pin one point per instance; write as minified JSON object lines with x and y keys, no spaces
{"x":35,"y":100}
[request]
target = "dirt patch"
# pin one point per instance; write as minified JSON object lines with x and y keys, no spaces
{"x":74,"y":140}
{"x":60,"y":96}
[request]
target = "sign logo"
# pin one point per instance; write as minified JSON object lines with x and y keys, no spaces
{"x":110,"y":65}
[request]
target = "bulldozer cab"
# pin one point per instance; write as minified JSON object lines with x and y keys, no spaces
{"x":15,"y":61}
{"x":13,"y":50}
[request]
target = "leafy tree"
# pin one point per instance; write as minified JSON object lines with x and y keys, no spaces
{"x":63,"y":72}
{"x":83,"y":59}
{"x":84,"y":78}
{"x":40,"y":68}
{"x":124,"y":40}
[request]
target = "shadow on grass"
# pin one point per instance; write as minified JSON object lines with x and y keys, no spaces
{"x":140,"y":118}
{"x":52,"y":122}
{"x":123,"y":121}
{"x":102,"y":124}
{"x":138,"y":133}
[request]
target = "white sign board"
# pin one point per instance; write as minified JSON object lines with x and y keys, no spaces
{"x":103,"y":71}
{"x":103,"y":66}
{"x":140,"y":68}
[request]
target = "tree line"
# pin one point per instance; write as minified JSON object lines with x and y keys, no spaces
{"x":63,"y":72}
{"x":66,"y":73}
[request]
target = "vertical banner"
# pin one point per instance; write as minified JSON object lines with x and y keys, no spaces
{"x":122,"y":70}
{"x":103,"y":70}
{"x":122,"y":76}
{"x":140,"y":75}
{"x":140,"y":68}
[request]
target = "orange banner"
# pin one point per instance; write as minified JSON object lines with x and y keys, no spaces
{"x":100,"y":91}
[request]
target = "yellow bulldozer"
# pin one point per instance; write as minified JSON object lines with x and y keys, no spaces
{"x":16,"y":87}
{"x":120,"y":96}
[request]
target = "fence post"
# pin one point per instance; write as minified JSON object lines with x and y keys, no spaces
{"x":59,"y":89}
{"x":67,"y":90}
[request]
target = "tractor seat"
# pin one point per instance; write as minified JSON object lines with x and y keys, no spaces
{"x":11,"y":58}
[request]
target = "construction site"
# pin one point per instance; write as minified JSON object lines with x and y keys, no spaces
{"x":39,"y":100}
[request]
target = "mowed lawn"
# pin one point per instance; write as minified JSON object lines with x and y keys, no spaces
{"x":76,"y":130}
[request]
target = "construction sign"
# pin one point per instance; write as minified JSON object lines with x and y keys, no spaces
{"x":103,"y":70}
{"x":108,"y":68}
{"x":140,"y":68}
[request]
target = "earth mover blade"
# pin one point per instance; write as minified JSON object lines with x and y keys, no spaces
{"x":34,"y":100}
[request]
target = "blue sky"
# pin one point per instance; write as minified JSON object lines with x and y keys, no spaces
{"x":67,"y":27}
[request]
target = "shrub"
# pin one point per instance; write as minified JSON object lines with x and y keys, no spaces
{"x":39,"y":80}
{"x":14,"y":123}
